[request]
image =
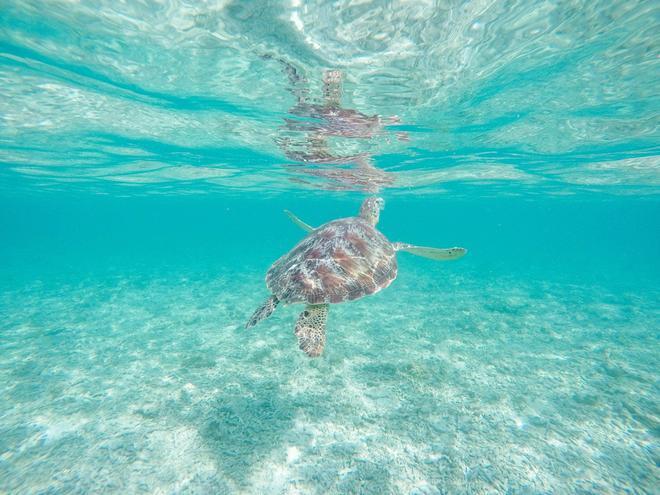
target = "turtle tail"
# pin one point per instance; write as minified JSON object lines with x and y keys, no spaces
{"x":264,"y":311}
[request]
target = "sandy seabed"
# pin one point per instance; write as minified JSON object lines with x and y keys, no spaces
{"x":436,"y":385}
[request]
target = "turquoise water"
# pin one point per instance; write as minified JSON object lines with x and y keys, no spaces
{"x":147,"y":152}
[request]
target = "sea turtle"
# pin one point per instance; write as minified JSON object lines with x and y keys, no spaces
{"x":342,"y":260}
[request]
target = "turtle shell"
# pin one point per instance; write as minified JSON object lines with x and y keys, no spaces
{"x":340,"y":261}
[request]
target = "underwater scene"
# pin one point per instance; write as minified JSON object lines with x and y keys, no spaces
{"x":311,"y":247}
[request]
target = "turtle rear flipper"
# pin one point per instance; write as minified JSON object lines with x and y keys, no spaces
{"x":310,"y":329}
{"x":264,"y":311}
{"x":446,"y":254}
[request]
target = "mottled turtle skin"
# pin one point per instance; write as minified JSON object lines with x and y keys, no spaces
{"x":343,"y":260}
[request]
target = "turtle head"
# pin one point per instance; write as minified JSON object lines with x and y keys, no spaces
{"x":370,"y":209}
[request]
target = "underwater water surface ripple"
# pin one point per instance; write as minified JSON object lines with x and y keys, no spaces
{"x":522,"y":96}
{"x":147,"y":152}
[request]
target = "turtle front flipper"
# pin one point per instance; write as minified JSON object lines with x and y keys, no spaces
{"x":264,"y":311}
{"x":446,"y":254}
{"x":310,"y":329}
{"x":299,"y":222}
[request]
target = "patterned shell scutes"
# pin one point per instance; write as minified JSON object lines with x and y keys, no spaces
{"x":340,"y":261}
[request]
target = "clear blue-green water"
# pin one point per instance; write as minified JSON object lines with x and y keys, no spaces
{"x":147,"y":152}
